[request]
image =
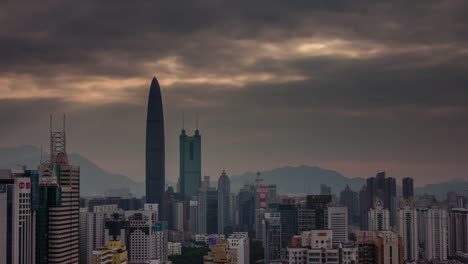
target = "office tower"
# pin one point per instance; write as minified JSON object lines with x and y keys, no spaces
{"x":114,"y":252}
{"x":390,"y":200}
{"x":458,"y":232}
{"x":272,"y":237}
{"x":364,"y":206}
{"x":436,"y":234}
{"x":161,"y":240}
{"x":140,"y":235}
{"x":179,"y":216}
{"x":379,"y":218}
{"x":193,"y":217}
{"x":63,"y":220}
{"x":338,"y":223}
{"x":319,"y":204}
{"x":49,"y":196}
{"x":83,"y":258}
{"x":408,"y":188}
{"x":350,"y":200}
{"x":317,"y":247}
{"x":305,"y":219}
{"x":234,"y":212}
{"x":95,"y":228}
{"x":155,"y":150}
{"x":239,"y":244}
{"x":325,"y":189}
{"x":224,"y":209}
{"x":190,"y":163}
{"x":408,"y":229}
{"x":379,"y":247}
{"x":208,"y":211}
{"x":246,"y":203}
{"x":17,"y":229}
{"x":289,"y":222}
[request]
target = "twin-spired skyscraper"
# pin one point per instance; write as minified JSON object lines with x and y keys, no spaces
{"x":155,"y":159}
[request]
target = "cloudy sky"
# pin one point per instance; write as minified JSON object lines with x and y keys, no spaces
{"x":355,"y":86}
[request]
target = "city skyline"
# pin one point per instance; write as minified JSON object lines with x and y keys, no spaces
{"x":356,"y":88}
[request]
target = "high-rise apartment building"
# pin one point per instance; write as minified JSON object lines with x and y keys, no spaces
{"x":458,"y":232}
{"x":272,"y":237}
{"x":379,"y":217}
{"x":83,"y":236}
{"x":224,"y":202}
{"x":161,"y":240}
{"x":140,"y":235}
{"x":155,"y":148}
{"x":436,"y":234}
{"x":179,"y":216}
{"x":408,"y":229}
{"x":239,"y":245}
{"x":190,"y":163}
{"x":95,"y":228}
{"x":17,"y":228}
{"x":338,"y":223}
{"x":379,"y":247}
{"x":193,"y":217}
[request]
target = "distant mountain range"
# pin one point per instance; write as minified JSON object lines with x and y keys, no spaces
{"x":93,"y":179}
{"x":289,"y":180}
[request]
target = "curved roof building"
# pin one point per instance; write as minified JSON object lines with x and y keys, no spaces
{"x":155,"y":160}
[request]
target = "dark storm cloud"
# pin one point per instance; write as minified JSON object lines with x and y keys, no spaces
{"x":354,"y":80}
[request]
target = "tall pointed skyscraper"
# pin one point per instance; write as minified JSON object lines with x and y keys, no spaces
{"x":155,"y":160}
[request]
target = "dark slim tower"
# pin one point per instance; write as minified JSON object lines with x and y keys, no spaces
{"x":408,"y":189}
{"x":155,"y":171}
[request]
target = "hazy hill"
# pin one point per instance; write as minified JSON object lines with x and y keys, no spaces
{"x":289,"y":180}
{"x":307,"y":180}
{"x":299,"y":180}
{"x":94,"y":180}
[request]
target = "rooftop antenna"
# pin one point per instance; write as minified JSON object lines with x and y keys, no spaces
{"x":196,"y":121}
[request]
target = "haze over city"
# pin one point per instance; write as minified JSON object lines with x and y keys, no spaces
{"x":356,"y":87}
